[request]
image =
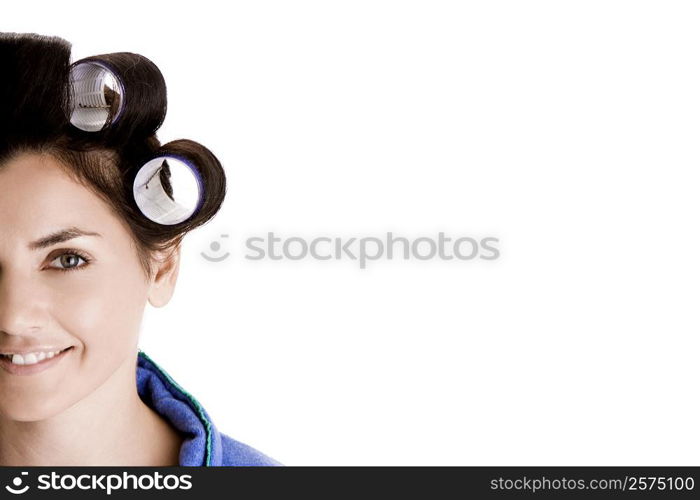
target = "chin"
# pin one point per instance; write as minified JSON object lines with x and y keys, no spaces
{"x":28,"y":409}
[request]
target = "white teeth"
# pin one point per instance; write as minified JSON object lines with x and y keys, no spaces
{"x":32,"y":358}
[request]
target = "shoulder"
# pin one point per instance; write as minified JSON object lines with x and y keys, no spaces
{"x":240,"y":454}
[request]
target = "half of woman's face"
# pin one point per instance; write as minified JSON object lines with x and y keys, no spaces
{"x":87,"y":292}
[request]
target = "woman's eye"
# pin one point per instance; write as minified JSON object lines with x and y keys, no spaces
{"x":68,"y":261}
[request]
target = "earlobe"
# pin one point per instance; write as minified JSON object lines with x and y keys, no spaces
{"x":165,"y":278}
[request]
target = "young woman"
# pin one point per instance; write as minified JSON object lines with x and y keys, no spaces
{"x":92,"y":212}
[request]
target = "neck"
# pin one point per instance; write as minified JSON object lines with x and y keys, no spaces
{"x":109,"y":427}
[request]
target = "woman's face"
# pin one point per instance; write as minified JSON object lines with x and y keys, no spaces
{"x":87,"y":292}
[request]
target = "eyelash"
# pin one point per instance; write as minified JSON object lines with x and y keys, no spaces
{"x":77,"y":253}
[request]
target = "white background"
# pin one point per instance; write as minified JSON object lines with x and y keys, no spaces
{"x":569,"y":130}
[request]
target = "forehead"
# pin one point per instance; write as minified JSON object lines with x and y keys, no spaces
{"x":37,"y":195}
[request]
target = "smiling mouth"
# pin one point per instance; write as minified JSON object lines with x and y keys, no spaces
{"x":32,"y":358}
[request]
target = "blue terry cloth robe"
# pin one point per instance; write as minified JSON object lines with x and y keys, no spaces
{"x":203,"y":445}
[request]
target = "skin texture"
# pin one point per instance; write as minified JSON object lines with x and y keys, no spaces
{"x":85,"y":409}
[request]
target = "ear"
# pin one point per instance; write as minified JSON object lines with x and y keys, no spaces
{"x":166,"y":268}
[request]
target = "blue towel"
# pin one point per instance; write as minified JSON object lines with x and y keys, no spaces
{"x":204,"y":445}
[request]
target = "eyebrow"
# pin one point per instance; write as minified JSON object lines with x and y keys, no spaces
{"x":59,"y":237}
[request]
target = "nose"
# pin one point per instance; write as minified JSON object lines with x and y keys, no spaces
{"x":22,"y":309}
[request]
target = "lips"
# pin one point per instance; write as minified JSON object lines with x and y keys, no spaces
{"x":32,"y":357}
{"x":29,"y":362}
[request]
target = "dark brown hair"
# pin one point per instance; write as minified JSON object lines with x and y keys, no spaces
{"x":35,"y":110}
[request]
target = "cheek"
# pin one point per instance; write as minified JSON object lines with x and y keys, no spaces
{"x":100,"y":313}
{"x":103,"y":311}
